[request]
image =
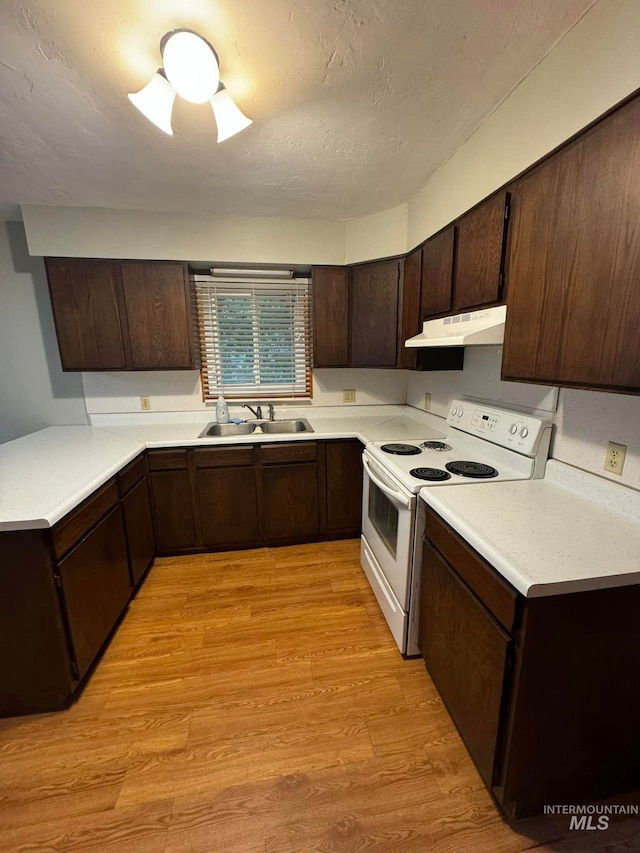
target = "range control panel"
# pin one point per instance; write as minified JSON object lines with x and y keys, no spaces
{"x":523,"y":433}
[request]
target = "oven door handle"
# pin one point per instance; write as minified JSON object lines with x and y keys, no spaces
{"x":397,"y":497}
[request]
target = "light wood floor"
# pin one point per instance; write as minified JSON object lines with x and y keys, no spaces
{"x":255,"y":702}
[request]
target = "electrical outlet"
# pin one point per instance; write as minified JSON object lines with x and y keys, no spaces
{"x":427,"y":402}
{"x":145,"y":404}
{"x":349,"y":395}
{"x":616,"y":454}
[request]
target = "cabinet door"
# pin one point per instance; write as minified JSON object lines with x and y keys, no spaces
{"x":437,"y":273}
{"x":173,"y":510}
{"x":574,"y":262}
{"x":330,"y":291}
{"x":228,"y":506}
{"x":289,"y":501}
{"x":86,"y":301}
{"x":374,"y":314}
{"x":410,"y":318}
{"x":344,"y":485}
{"x":465,"y":652}
{"x":157,"y":301}
{"x":95,"y":587}
{"x":139,"y":525}
{"x":480,"y":254}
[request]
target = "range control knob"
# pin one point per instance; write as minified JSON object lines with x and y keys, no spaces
{"x":513,"y":429}
{"x":454,"y":412}
{"x":460,"y":412}
{"x":524,"y":432}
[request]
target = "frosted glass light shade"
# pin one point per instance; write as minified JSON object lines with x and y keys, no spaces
{"x":155,"y":102}
{"x":191,"y":67}
{"x":229,"y":117}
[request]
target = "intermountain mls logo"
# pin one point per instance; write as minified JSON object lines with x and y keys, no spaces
{"x":591,"y":817}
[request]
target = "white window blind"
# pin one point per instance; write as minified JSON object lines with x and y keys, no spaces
{"x":255,"y":337}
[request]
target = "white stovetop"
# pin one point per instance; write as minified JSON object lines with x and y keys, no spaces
{"x":509,"y":465}
{"x":569,"y":532}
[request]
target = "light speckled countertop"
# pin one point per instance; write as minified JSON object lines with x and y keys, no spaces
{"x":570,"y":532}
{"x":43,"y":476}
{"x":391,"y":423}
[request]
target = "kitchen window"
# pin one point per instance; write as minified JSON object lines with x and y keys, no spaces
{"x":255,"y":337}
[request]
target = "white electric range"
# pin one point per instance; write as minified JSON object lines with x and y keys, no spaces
{"x":483,"y":444}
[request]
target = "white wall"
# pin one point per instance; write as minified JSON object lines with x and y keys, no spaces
{"x":584,"y":421}
{"x":180,"y":391}
{"x":596,"y":65}
{"x":102,"y":233}
{"x":34,"y":392}
{"x":480,"y":379}
{"x":376,"y":236}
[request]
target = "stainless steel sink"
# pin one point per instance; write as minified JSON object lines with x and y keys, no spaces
{"x":214,"y":429}
{"x":292,"y":426}
{"x":268,"y":428}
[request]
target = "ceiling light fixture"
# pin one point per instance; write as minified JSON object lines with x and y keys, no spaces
{"x":191,"y":70}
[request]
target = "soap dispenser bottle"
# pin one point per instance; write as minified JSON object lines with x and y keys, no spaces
{"x":222,"y":410}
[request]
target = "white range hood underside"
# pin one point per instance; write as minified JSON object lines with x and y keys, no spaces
{"x":476,"y":328}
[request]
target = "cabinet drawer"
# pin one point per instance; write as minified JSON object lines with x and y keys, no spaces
{"x":223,"y":457}
{"x":161,"y":460}
{"x":132,"y":474}
{"x":494,"y":592}
{"x":288,"y":452}
{"x":75,"y":525}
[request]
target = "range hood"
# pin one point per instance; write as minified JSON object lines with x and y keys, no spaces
{"x":476,"y":328}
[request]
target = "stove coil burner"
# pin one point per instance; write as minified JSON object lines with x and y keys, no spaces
{"x":434,"y":475}
{"x":401,"y":449}
{"x":477,"y":470}
{"x":440,"y":446}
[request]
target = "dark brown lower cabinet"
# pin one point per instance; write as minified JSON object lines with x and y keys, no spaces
{"x":35,"y":666}
{"x":138,"y":520}
{"x":217,"y":498}
{"x":290,"y":507}
{"x":228,"y":504}
{"x":544,"y":691}
{"x":344,"y":486}
{"x":173,"y":510}
{"x":466,"y":652}
{"x":95,"y":587}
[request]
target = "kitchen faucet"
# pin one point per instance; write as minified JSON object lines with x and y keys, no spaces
{"x":258,"y":410}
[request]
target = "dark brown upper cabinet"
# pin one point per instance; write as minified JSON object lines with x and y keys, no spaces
{"x":410,"y":320}
{"x":156,"y":297}
{"x":374,"y":314}
{"x":330,"y":289}
{"x":87,"y":308}
{"x":437,"y":274}
{"x":574,"y":263}
{"x":121,"y":315}
{"x":479,"y":255}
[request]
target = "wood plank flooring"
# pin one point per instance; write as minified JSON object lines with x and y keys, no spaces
{"x":254,"y":702}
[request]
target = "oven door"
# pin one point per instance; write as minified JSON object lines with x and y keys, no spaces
{"x":388,"y":513}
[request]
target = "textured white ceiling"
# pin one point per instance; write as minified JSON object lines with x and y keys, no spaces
{"x":355,"y":102}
